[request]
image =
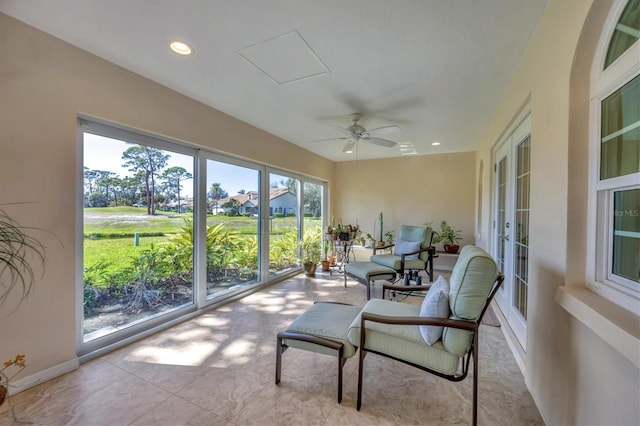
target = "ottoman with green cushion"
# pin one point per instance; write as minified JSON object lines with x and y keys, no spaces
{"x":366,"y":272}
{"x":322,"y":329}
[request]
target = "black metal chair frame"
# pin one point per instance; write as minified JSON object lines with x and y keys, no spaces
{"x":472,"y":326}
{"x":281,"y":347}
{"x":428,"y":265}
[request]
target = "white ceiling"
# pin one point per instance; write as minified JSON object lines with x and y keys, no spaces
{"x":436,"y":68}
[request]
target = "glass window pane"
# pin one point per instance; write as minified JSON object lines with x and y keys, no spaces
{"x":620,"y":134}
{"x":138,"y":234}
{"x":283,"y":223}
{"x":626,"y":33}
{"x":233,"y":200}
{"x":626,"y":234}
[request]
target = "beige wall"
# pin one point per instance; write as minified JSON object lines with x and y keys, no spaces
{"x":44,"y":85}
{"x":410,"y":190}
{"x":573,"y":375}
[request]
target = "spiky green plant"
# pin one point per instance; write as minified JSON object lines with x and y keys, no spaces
{"x":19,"y":251}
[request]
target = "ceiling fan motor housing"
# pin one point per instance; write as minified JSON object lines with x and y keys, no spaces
{"x":356,"y":129}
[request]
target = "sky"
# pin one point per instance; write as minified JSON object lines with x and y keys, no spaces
{"x":103,"y":153}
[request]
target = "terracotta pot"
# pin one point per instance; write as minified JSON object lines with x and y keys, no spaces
{"x":451,"y":249}
{"x":325,"y":265}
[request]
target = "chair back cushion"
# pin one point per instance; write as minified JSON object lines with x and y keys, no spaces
{"x":412,"y":233}
{"x":417,"y":233}
{"x":471,"y":282}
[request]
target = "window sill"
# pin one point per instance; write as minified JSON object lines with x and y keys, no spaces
{"x":616,"y":326}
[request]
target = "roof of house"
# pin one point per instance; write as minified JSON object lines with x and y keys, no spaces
{"x":249,"y":196}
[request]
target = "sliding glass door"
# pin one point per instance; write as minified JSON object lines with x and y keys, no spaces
{"x":284,"y":222}
{"x":137,"y":229}
{"x":167,"y":230}
{"x":232,"y":226}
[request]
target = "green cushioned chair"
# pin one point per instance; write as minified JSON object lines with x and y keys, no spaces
{"x":391,"y":329}
{"x":419,"y":258}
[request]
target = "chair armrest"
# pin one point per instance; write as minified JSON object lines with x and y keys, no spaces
{"x":403,"y":320}
{"x":386,"y":246}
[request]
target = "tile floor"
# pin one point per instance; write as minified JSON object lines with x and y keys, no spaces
{"x":218,"y":369}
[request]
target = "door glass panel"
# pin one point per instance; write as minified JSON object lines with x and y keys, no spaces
{"x":521,"y":264}
{"x":502,"y":211}
{"x":284,"y":227}
{"x":233,"y":201}
{"x":312,"y":203}
{"x":138,"y":234}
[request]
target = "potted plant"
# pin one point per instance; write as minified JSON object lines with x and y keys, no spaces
{"x":325,"y":260}
{"x":17,"y":276}
{"x":389,"y":237}
{"x":310,"y":247}
{"x":449,"y":236}
{"x":371,"y":242}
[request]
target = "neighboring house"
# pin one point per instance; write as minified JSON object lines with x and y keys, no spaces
{"x":281,"y":200}
{"x":186,"y":205}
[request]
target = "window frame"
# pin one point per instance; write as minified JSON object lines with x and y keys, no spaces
{"x":600,"y":233}
{"x":87,"y":350}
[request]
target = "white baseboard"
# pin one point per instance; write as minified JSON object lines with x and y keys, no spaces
{"x":516,"y":349}
{"x":42,"y":376}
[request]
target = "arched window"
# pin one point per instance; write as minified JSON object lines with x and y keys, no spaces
{"x":614,"y":214}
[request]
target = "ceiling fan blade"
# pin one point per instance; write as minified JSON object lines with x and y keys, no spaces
{"x":384,"y":130}
{"x":381,"y":142}
{"x":348,"y":147}
{"x":325,"y":140}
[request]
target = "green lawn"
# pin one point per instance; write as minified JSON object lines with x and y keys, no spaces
{"x":126,"y":221}
{"x":111,"y":231}
{"x":117,"y":253}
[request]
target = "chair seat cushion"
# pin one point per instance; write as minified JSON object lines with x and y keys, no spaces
{"x":401,"y":341}
{"x":393,"y":261}
{"x":327,"y":320}
{"x":368,"y":270}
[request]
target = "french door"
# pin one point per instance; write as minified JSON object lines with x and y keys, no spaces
{"x":511,"y":225}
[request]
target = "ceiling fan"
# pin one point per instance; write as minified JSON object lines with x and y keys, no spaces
{"x":356,"y":133}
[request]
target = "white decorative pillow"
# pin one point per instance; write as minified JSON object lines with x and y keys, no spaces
{"x":435,"y":305}
{"x":403,"y":247}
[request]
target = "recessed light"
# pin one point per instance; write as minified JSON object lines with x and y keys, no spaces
{"x":435,"y":143}
{"x":181,"y":48}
